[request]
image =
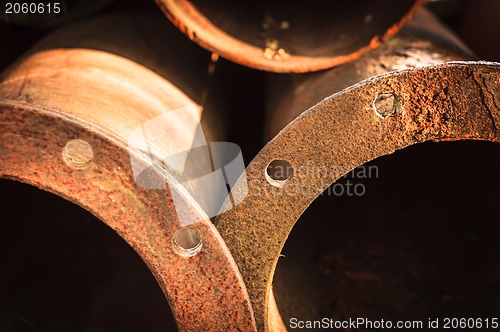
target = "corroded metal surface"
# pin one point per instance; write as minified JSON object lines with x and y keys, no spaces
{"x":289,"y":36}
{"x":455,"y":101}
{"x":423,"y":41}
{"x":131,"y":30}
{"x":66,"y":115}
{"x":205,"y":291}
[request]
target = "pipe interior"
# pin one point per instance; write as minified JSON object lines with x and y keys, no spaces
{"x":421,"y":242}
{"x":62,"y":269}
{"x":321,"y":28}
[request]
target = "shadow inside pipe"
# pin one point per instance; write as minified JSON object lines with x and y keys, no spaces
{"x":420,"y":242}
{"x":62,"y":269}
{"x":320,"y":28}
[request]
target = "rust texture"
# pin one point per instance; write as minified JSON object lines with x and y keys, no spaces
{"x":68,"y":108}
{"x":60,"y":93}
{"x":131,"y":30}
{"x":455,"y":101}
{"x":280,"y":38}
{"x":205,"y":291}
{"x":423,"y":41}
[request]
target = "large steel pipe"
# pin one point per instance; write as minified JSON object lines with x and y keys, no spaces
{"x":456,"y":101}
{"x":72,"y":112}
{"x":358,"y":124}
{"x":289,"y":36}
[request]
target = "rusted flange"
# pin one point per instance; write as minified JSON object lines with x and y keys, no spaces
{"x":422,"y":41}
{"x":455,"y":101}
{"x":291,"y":36}
{"x":66,"y":116}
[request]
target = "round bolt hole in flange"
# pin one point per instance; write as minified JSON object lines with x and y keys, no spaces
{"x":279,"y":172}
{"x":77,"y":154}
{"x":386,"y":104}
{"x":187,"y":242}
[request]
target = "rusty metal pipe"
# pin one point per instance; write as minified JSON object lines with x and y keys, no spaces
{"x":447,"y":102}
{"x":137,"y":31}
{"x":330,"y":138}
{"x":294,"y":36}
{"x":423,"y":41}
{"x":67,"y":111}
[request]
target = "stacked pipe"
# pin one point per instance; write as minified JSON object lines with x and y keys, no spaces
{"x":120,"y":113}
{"x":79,"y":95}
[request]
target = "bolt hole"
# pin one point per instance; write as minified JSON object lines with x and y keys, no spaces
{"x":279,"y":172}
{"x":78,"y":154}
{"x":386,"y":104}
{"x":187,"y":242}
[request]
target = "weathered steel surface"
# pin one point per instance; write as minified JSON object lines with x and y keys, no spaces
{"x":205,"y":291}
{"x":423,"y":41}
{"x":289,"y":36}
{"x":455,"y":101}
{"x":60,"y":93}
